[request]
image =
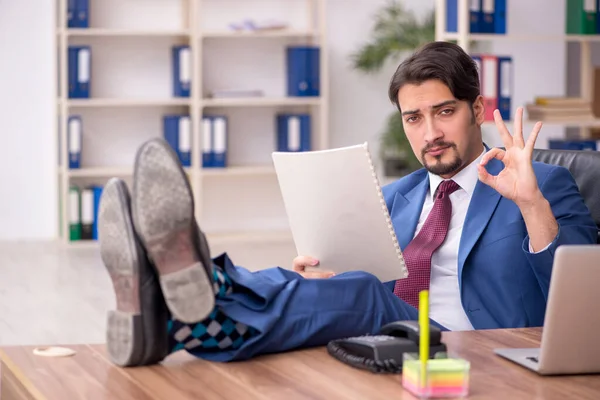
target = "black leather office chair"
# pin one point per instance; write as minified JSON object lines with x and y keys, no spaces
{"x":585,"y":168}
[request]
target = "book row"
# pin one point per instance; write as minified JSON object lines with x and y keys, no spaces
{"x":78,"y":13}
{"x":582,"y":17}
{"x":496,"y":83}
{"x":293,"y":134}
{"x":302,"y":71}
{"x":489,"y":16}
{"x":485,"y":16}
{"x":574,"y":144}
{"x":83,"y":212}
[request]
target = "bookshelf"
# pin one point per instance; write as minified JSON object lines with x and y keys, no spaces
{"x":131,"y":91}
{"x":555,"y":36}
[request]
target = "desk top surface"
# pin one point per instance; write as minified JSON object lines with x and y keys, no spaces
{"x":304,"y":374}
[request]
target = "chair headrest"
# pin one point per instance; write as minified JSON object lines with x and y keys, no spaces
{"x":585,"y":169}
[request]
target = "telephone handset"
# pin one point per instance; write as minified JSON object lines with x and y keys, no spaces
{"x":384,"y":352}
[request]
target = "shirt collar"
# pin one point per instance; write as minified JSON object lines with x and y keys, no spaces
{"x":466,"y":178}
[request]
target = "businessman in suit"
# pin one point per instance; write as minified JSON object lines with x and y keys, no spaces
{"x":478,"y":228}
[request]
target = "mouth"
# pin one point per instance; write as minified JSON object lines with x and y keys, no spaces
{"x":436,"y":151}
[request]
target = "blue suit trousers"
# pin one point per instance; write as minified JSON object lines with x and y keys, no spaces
{"x":291,"y":312}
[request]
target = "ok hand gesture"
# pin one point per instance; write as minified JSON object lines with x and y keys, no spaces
{"x":517,"y":180}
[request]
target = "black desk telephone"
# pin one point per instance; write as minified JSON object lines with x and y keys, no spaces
{"x":383,"y":353}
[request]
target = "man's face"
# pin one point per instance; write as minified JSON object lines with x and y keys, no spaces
{"x":443,"y":132}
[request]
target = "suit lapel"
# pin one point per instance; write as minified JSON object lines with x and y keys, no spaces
{"x":482,"y":206}
{"x":406,"y":211}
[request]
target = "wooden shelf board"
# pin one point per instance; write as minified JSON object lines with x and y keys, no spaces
{"x":524,"y":37}
{"x":515,"y":37}
{"x":260,"y":101}
{"x":127,"y":102}
{"x":582,"y":38}
{"x":238,"y":171}
{"x":116,"y":32}
{"x":82,"y":244}
{"x":509,"y":124}
{"x":283,"y":33}
{"x":123,"y":171}
{"x":100,"y":172}
{"x":583,"y":123}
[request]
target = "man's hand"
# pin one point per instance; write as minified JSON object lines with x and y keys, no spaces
{"x":301,"y":262}
{"x":518,"y":183}
{"x":517,"y":180}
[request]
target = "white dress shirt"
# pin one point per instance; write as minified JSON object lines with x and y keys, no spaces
{"x":445,"y":305}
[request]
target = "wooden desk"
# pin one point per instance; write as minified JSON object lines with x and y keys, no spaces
{"x":305,"y":374}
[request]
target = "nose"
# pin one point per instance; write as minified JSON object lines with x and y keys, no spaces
{"x":432,"y":131}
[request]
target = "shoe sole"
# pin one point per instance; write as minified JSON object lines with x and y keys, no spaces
{"x":163,"y":214}
{"x":124,"y":337}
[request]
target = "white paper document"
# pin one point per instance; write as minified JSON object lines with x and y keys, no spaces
{"x":337,"y":213}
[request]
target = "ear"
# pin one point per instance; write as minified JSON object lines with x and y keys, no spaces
{"x":479,"y":110}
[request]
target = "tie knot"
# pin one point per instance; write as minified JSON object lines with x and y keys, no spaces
{"x":447,"y":188}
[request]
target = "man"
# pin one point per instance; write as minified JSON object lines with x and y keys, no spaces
{"x":478,"y":227}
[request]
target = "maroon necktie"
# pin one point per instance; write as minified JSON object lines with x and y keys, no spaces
{"x":417,"y":255}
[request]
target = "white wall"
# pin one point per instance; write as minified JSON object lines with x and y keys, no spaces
{"x":28,"y":181}
{"x":358,"y":103}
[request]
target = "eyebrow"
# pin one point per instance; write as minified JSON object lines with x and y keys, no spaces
{"x":433,"y":107}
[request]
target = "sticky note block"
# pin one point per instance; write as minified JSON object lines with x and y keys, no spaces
{"x":445,"y":377}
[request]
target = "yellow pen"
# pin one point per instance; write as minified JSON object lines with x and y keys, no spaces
{"x":424,"y":333}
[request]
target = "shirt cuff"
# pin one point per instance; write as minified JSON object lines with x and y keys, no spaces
{"x":544,"y":249}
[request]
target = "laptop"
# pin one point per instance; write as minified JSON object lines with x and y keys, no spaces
{"x":571,"y":333}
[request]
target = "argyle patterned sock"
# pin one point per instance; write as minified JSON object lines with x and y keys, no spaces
{"x":217,"y":332}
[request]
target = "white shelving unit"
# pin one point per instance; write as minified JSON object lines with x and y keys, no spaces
{"x":467,"y":41}
{"x":241,"y":201}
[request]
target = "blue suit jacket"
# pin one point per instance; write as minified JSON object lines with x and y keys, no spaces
{"x":502,"y":284}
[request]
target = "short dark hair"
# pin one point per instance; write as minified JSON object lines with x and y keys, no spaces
{"x":444,"y":61}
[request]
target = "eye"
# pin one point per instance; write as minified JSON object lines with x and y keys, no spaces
{"x":447,"y":111}
{"x":411,"y":119}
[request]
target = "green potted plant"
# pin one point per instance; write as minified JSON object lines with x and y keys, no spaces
{"x":395,"y":32}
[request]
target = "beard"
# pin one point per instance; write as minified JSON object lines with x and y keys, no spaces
{"x":452,"y":164}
